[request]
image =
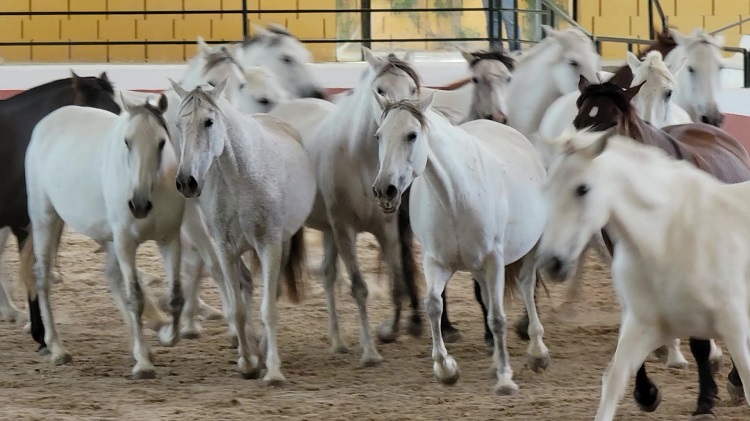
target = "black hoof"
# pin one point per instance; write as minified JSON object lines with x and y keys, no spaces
{"x":522,"y":328}
{"x":648,"y":402}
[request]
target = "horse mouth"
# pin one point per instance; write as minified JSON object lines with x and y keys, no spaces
{"x":389,"y":207}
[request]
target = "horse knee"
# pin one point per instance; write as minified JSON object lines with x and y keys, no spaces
{"x":433,"y":306}
{"x":496,"y":323}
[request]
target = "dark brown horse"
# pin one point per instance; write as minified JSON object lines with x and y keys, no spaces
{"x":18,"y":117}
{"x":708,"y":148}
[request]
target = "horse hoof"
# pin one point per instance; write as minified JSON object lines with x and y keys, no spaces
{"x":339,"y":349}
{"x":193,"y":334}
{"x":703,"y":417}
{"x":680,"y":365}
{"x":251,"y":375}
{"x":144,"y":375}
{"x":167,"y":336}
{"x":447,"y":373}
{"x":414,"y":327}
{"x":646,"y":406}
{"x":450,"y":380}
{"x":43,"y":351}
{"x":63,"y":359}
{"x":274,"y":381}
{"x":716,"y":365}
{"x":736,"y":393}
{"x":538,"y":364}
{"x":371,"y":360}
{"x":522,"y":328}
{"x":386,"y":333}
{"x":451,"y":335}
{"x":506,"y":389}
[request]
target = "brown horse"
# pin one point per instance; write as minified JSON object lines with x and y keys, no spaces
{"x":664,"y":43}
{"x":607,"y":106}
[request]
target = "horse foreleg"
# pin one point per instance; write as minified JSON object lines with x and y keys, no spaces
{"x":330,"y":276}
{"x":125,"y":249}
{"x":537,"y":353}
{"x":271,"y":257}
{"x":707,"y":390}
{"x":436,"y":276}
{"x":494,"y":280}
{"x":171,"y":251}
{"x":389,"y":241}
{"x":345,"y":241}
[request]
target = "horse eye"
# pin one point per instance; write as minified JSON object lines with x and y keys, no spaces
{"x":263,"y":101}
{"x":211,"y":83}
{"x":668,"y":95}
{"x":691,"y":69}
{"x":208,"y":123}
{"x":574,"y":63}
{"x":380,"y":91}
{"x":411,"y":137}
{"x":413,"y":91}
{"x":242,"y":86}
{"x":582,"y":190}
{"x":377,"y":137}
{"x":127,"y":144}
{"x":287,"y":59}
{"x":509,"y":79}
{"x":161,"y":144}
{"x":475,"y":79}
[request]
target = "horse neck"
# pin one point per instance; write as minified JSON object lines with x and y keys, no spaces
{"x":354,"y":119}
{"x":446,"y":145}
{"x":643,"y":214}
{"x":241,"y":143}
{"x":36,"y":103}
{"x":533,"y":96}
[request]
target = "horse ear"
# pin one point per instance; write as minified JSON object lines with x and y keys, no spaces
{"x":103,"y":77}
{"x":74,"y":79}
{"x":203,"y":48}
{"x":469,"y":57}
{"x":633,"y":62}
{"x":261,"y":31}
{"x":549,"y":31}
{"x":163,"y":103}
{"x":219,"y":88}
{"x":181,"y":92}
{"x":409,"y":57}
{"x":583,"y":83}
{"x":382,"y":101}
{"x":719,"y":40}
{"x":679,"y":39}
{"x":631,"y":92}
{"x":426,"y":101}
{"x":677,"y":65}
{"x":127,"y":105}
{"x":370,"y":58}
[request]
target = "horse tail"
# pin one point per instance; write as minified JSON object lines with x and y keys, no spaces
{"x":408,"y":263}
{"x":512,"y":276}
{"x":26,"y":268}
{"x":294,"y":267}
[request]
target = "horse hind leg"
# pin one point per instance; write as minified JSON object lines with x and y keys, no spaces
{"x":735,"y":387}
{"x":716,"y":357}
{"x":271,"y":257}
{"x":8,"y":310}
{"x":330,"y":275}
{"x":171,"y":251}
{"x":645,"y":393}
{"x":672,"y":355}
{"x":708,"y":391}
{"x":735,"y":332}
{"x":537,"y":353}
{"x":46,"y":233}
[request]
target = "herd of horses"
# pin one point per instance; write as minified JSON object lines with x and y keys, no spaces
{"x":519,"y":168}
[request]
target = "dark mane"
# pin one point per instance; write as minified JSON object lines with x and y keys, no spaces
{"x":407,"y":105}
{"x":609,"y":90}
{"x":278,"y":33}
{"x":394,"y":63}
{"x":497,"y":55}
{"x":664,"y":43}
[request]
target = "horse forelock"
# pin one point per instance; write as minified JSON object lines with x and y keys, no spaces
{"x":276,"y":36}
{"x":410,"y":106}
{"x":217,"y":58}
{"x":393,"y":64}
{"x":496,"y":55}
{"x":149,"y":110}
{"x":655,"y":64}
{"x":196,"y":99}
{"x":607,"y":90}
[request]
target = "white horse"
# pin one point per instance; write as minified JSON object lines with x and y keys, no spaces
{"x":345,"y":158}
{"x":110,"y":178}
{"x":654,"y":101}
{"x":668,"y":285}
{"x":698,"y":83}
{"x":277,"y":50}
{"x":476,"y":205}
{"x":256,"y":184}
{"x":547,"y":71}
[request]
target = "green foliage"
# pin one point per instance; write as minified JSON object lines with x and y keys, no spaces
{"x":403,"y":4}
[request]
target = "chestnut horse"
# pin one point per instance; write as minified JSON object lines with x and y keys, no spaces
{"x":709,"y":148}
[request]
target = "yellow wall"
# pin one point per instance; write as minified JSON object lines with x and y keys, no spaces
{"x":629,"y":18}
{"x":216,"y":27}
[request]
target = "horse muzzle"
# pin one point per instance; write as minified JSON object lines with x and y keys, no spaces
{"x":188,"y":186}
{"x":714,"y":119}
{"x":556,"y":266}
{"x":139,"y":207}
{"x":389,"y":198}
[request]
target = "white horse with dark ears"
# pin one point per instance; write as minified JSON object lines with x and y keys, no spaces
{"x":256,"y":185}
{"x":654,"y":101}
{"x":110,"y":178}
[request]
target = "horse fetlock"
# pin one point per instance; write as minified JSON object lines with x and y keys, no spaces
{"x":447,"y":372}
{"x":736,"y":393}
{"x":61,"y":357}
{"x":388,"y":331}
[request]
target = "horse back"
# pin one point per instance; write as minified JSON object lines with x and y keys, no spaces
{"x":713,"y":150}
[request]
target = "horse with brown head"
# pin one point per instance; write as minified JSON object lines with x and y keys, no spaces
{"x":607,"y":106}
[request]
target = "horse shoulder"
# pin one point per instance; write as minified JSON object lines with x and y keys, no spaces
{"x":559,"y":116}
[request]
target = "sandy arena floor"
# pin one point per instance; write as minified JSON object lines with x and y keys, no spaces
{"x":197,"y":378}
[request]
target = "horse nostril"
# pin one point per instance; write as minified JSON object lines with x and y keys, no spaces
{"x":391,"y":192}
{"x":131,"y":206}
{"x":488,"y":117}
{"x":374,"y":191}
{"x":317,"y":93}
{"x":149,"y":206}
{"x":178,"y":184}
{"x":705,"y":119}
{"x":192,"y":183}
